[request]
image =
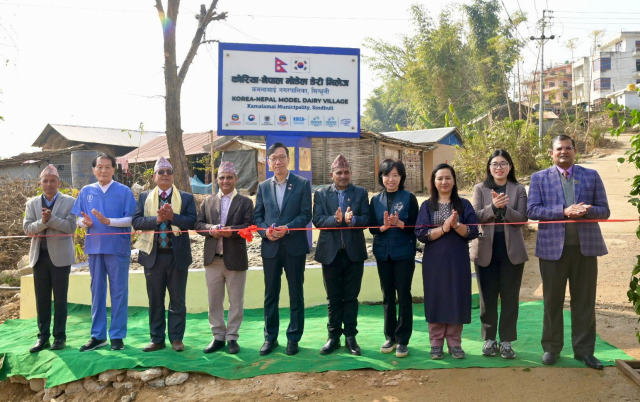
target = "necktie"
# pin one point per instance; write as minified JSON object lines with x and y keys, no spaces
{"x":566,"y":174}
{"x":164,"y":194}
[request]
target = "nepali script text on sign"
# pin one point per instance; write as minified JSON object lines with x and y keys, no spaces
{"x":308,"y":91}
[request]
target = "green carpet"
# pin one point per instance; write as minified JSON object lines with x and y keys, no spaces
{"x":17,"y":336}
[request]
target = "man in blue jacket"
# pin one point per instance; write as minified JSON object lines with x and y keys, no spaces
{"x":165,"y":214}
{"x":283,"y":203}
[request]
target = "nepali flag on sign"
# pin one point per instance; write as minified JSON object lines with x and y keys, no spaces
{"x":301,"y":64}
{"x":280,"y":66}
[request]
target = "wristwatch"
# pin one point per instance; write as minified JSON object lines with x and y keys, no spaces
{"x":457,"y":225}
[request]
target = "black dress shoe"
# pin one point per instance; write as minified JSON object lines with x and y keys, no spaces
{"x":233,"y":347}
{"x":214,"y":346}
{"x":352,"y":345}
{"x":39,"y":345}
{"x":292,"y":348}
{"x":549,"y":358}
{"x":117,"y":344}
{"x":152,"y":346}
{"x":590,"y":360}
{"x":331,"y":345}
{"x":58,"y":344}
{"x":268,"y":347}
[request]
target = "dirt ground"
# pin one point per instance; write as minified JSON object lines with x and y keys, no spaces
{"x":617,"y":324}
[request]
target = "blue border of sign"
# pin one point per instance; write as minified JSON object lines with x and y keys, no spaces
{"x":289,"y":49}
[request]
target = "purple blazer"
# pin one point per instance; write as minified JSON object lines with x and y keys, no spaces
{"x":546,"y":203}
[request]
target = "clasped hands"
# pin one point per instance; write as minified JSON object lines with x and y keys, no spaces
{"x":275,"y":233}
{"x":86,"y":219}
{"x":348,"y":216}
{"x":390,"y":220}
{"x":165,"y":213}
{"x":450,"y":222}
{"x":217,"y":231}
{"x":576,"y":210}
{"x":499,"y":200}
{"x":46,"y":215}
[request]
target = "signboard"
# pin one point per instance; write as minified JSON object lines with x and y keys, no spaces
{"x":288,"y":90}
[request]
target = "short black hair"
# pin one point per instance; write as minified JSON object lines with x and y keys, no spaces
{"x":387,"y":166}
{"x":562,"y":137}
{"x":511,"y":176}
{"x":103,"y":155}
{"x":275,"y":146}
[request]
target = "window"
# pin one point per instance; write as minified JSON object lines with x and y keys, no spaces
{"x":638,"y":45}
{"x":565,"y":95}
{"x":565,"y":84}
{"x":637,"y":64}
{"x":638,"y":81}
{"x":602,"y":83}
{"x":552,"y":84}
{"x":603,"y":64}
{"x":619,"y":46}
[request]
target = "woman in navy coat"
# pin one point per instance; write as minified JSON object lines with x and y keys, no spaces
{"x":446,"y":223}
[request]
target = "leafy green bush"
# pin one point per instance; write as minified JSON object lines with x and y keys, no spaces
{"x":512,"y":136}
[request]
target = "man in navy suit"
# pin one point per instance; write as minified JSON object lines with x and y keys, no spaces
{"x":165,"y":254}
{"x":341,"y":252}
{"x":568,"y":251}
{"x":283,"y":202}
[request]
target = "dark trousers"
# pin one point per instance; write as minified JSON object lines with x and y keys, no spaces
{"x":396,"y":277}
{"x":582,"y":273}
{"x":501,"y":279}
{"x":342,"y":281}
{"x":293,"y":266}
{"x":160,"y":278}
{"x":47,"y":278}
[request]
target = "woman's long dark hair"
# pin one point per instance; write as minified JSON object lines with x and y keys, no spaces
{"x":455,"y":198}
{"x":511,"y":176}
{"x":386,"y":167}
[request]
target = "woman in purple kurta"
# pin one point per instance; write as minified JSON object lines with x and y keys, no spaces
{"x":446,"y":223}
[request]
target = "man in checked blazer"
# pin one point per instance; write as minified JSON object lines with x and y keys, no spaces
{"x":51,"y":257}
{"x":568,"y":251}
{"x":283,"y":202}
{"x":225,"y":256}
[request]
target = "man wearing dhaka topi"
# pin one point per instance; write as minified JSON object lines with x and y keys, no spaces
{"x":105,"y":208}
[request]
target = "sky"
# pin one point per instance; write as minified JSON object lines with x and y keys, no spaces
{"x":100,"y":63}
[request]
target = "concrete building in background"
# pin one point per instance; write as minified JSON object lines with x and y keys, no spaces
{"x":557,"y":87}
{"x":609,"y":70}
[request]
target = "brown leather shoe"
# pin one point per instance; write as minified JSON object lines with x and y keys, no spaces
{"x":152,"y":347}
{"x":178,"y":346}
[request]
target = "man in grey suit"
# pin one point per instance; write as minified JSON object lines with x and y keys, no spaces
{"x":341,"y":252}
{"x":165,"y":214}
{"x":220,"y":217}
{"x":51,"y":257}
{"x":283,"y":202}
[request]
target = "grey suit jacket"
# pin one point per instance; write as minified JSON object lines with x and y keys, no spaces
{"x":62,"y":222}
{"x":482,"y":247}
{"x":234,"y":248}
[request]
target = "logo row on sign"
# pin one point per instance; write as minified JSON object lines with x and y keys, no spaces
{"x":284,"y":120}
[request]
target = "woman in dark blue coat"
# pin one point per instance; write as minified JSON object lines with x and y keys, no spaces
{"x":394,"y":247}
{"x":446,"y":223}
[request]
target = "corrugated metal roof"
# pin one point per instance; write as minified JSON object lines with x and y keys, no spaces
{"x":430,"y":136}
{"x":193,"y":145}
{"x":98,"y":135}
{"x":34,"y":157}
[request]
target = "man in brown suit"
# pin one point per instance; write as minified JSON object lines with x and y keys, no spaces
{"x":225,"y":256}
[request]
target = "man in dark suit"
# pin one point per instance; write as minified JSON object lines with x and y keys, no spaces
{"x":568,"y":251}
{"x":225,"y":256}
{"x":165,"y":255}
{"x":283,"y":202}
{"x":341,"y":252}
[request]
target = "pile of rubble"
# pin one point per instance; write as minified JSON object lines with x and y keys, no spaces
{"x":128,"y":381}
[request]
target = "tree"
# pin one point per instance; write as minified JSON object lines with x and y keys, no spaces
{"x":174,"y":78}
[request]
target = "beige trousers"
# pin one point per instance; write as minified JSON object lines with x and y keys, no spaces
{"x":217,"y":276}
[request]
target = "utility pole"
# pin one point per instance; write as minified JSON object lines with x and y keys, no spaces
{"x":542,"y":38}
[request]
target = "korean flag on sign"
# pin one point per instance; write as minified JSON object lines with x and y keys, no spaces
{"x":300,"y":65}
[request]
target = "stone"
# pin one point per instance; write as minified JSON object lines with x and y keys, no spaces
{"x":24,"y":271}
{"x":125,"y":398}
{"x":134,"y":395}
{"x":24,"y":262}
{"x":146,"y":375}
{"x":165,"y":372}
{"x":61,"y":398}
{"x":36,"y":384}
{"x":110,"y":375}
{"x":74,"y":387}
{"x":51,"y":393}
{"x":91,"y":385}
{"x":120,"y":377}
{"x":157,"y":383}
{"x":176,"y":379}
{"x":18,"y":379}
{"x":125,"y":385}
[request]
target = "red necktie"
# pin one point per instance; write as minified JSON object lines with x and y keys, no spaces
{"x":163,"y":195}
